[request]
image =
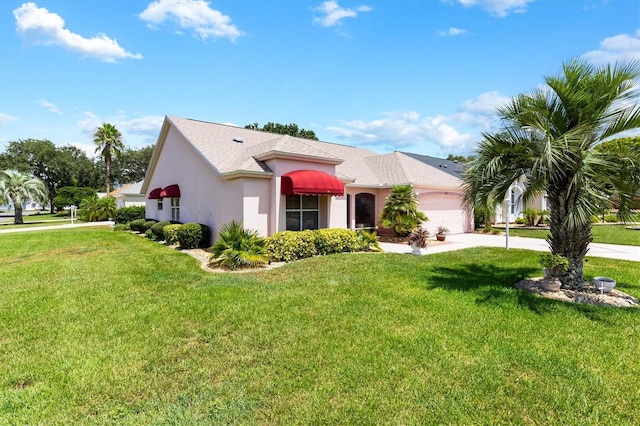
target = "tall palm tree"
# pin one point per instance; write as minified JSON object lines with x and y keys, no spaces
{"x":108,"y":140}
{"x":549,"y":138}
{"x":18,"y":187}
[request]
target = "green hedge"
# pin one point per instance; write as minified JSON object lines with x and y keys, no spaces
{"x":129,"y":214}
{"x":149,"y":223}
{"x":158,"y":229}
{"x":138,"y":225}
{"x":193,"y":235}
{"x":287,"y":246}
{"x":336,"y":240}
{"x":170,"y":233}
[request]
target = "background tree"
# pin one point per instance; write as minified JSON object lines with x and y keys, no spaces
{"x":460,"y":158}
{"x":72,"y":196}
{"x":549,"y":137}
{"x":131,"y":165}
{"x":400,"y":210}
{"x":54,"y":166}
{"x":18,"y":187}
{"x":624,"y":181}
{"x":108,"y":140}
{"x":284,"y":129}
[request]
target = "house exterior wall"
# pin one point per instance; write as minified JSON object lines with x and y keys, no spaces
{"x":204,"y":196}
{"x":256,"y":205}
{"x":129,"y":201}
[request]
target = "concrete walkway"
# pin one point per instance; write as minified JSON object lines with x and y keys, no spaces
{"x":46,"y":228}
{"x":462,"y":241}
{"x":453,"y":242}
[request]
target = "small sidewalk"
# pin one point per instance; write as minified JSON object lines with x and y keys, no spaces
{"x":462,"y":241}
{"x":45,"y":228}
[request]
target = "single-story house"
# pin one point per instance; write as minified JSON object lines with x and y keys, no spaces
{"x":214,"y":173}
{"x":129,"y":195}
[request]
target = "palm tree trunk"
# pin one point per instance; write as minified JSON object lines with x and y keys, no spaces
{"x":108,"y":167}
{"x":18,"y":214}
{"x":567,"y":238}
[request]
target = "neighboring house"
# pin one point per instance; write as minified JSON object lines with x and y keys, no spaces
{"x":213,"y":173}
{"x":27,"y":205}
{"x":129,"y":195}
{"x":513,"y":206}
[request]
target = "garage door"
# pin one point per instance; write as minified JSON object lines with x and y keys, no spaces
{"x":443,"y":210}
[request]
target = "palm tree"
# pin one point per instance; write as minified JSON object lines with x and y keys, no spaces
{"x":400,"y":210}
{"x":238,"y":248}
{"x":108,"y":142}
{"x":549,"y":138}
{"x":18,"y":187}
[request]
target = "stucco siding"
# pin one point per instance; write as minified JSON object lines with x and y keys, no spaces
{"x":257,"y":205}
{"x":204,"y":196}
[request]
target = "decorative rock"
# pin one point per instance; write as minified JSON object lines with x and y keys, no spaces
{"x":588,"y":294}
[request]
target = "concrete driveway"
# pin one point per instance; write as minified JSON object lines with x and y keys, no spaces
{"x":462,"y":241}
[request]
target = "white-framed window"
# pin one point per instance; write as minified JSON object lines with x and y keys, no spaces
{"x":302,"y":212}
{"x":175,"y":209}
{"x":159,"y":204}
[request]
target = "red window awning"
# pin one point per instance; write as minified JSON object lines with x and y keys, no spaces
{"x":155,"y":194}
{"x":171,"y":191}
{"x":311,"y":182}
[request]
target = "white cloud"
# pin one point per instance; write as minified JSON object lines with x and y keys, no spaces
{"x":147,"y":125}
{"x":136,"y":131}
{"x":50,"y":106}
{"x":619,"y":48}
{"x":452,"y":32}
{"x":456,"y":132}
{"x":194,"y":15}
{"x":333,"y":14}
{"x":500,"y":8}
{"x":40,"y":26}
{"x":486,"y":103}
{"x":6,"y":118}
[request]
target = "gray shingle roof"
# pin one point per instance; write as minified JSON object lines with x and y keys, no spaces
{"x":232,"y":149}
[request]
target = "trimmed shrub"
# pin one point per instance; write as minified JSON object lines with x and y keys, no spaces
{"x":336,"y":240}
{"x":611,"y":218}
{"x":287,"y":246}
{"x":149,"y":223}
{"x":158,"y":228}
{"x":129,"y":214}
{"x":138,"y":225}
{"x":149,"y":234}
{"x":170,"y":233}
{"x":193,"y":235}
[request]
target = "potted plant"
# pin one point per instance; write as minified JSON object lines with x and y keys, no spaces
{"x":441,"y":233}
{"x":418,"y":239}
{"x":554,"y":265}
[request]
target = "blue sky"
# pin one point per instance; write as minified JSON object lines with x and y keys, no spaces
{"x":414,"y":75}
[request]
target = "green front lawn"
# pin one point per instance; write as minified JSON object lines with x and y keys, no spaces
{"x":101,"y":327}
{"x":607,"y":234}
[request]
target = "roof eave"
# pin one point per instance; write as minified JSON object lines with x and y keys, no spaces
{"x":270,"y":155}
{"x":235,"y":174}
